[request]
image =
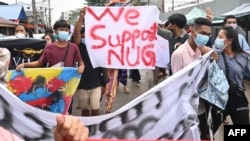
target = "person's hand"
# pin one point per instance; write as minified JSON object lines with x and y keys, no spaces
{"x":209,"y":14}
{"x":215,"y":56}
{"x":80,"y":69}
{"x":69,"y":128}
{"x":83,"y":11}
{"x":19,"y":67}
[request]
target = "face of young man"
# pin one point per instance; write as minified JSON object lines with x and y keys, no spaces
{"x":62,"y":33}
{"x":231,"y":22}
{"x":201,"y":35}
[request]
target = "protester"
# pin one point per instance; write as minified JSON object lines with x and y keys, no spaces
{"x":2,"y":35}
{"x":89,"y":88}
{"x":60,"y":53}
{"x":135,"y":76}
{"x":176,"y":34}
{"x":21,"y":31}
{"x":232,"y":21}
{"x":4,"y":65}
{"x":123,"y":78}
{"x":235,"y":63}
{"x":48,"y":38}
{"x":111,"y":89}
{"x":60,"y":47}
{"x":68,"y":127}
{"x":191,"y":51}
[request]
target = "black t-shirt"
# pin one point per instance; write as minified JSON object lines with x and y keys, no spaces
{"x":91,"y":77}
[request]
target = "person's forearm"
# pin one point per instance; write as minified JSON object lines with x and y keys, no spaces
{"x":34,"y":64}
{"x":81,"y":63}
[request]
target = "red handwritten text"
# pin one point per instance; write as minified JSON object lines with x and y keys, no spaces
{"x":139,"y":40}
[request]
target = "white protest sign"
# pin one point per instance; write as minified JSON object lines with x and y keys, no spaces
{"x":162,"y":52}
{"x":149,"y":116}
{"x":122,"y":37}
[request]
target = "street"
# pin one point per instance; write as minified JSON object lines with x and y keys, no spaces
{"x":123,"y":98}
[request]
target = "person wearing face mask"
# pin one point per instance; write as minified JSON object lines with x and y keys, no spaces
{"x":188,"y":52}
{"x":90,"y":86}
{"x":60,"y":53}
{"x":232,"y":21}
{"x":21,"y":31}
{"x":235,"y":62}
{"x":175,"y":34}
{"x":2,"y":35}
{"x":48,"y":38}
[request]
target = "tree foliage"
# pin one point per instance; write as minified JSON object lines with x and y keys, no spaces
{"x":73,"y":16}
{"x":139,"y":3}
{"x":94,"y":2}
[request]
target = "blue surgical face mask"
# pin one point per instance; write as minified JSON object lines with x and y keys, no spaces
{"x":219,"y":44}
{"x":201,"y":40}
{"x":83,"y":41}
{"x":63,"y":35}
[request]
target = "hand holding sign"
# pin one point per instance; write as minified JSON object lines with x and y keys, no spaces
{"x":83,"y":11}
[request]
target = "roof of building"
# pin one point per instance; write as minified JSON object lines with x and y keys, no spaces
{"x":6,"y":23}
{"x":12,"y":12}
{"x":242,"y":10}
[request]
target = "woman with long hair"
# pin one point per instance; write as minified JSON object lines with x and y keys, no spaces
{"x":235,"y":63}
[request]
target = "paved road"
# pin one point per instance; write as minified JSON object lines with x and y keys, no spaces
{"x":146,"y":75}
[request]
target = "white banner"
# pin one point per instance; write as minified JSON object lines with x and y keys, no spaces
{"x":167,"y":111}
{"x":122,"y":37}
{"x":162,"y":52}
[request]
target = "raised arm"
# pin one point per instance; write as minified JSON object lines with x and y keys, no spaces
{"x":77,"y":34}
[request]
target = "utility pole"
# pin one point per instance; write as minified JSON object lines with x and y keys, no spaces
{"x":163,"y":6}
{"x":34,"y":16}
{"x":172,"y":5}
{"x":49,"y":14}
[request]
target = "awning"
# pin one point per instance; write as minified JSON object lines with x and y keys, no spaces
{"x":29,"y":25}
{"x":12,"y":12}
{"x":242,"y":10}
{"x":195,"y":13}
{"x":6,"y":23}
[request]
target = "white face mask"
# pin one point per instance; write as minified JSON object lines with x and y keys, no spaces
{"x":233,"y":25}
{"x":20,"y":35}
{"x":1,"y":36}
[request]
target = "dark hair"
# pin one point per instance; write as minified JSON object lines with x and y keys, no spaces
{"x":48,"y":31}
{"x":229,"y":17}
{"x":82,"y":30}
{"x":179,"y":19}
{"x":61,"y":23}
{"x":198,"y":22}
{"x":29,"y":31}
{"x":166,"y":24}
{"x":232,"y":34}
{"x":50,"y":35}
{"x":99,"y":4}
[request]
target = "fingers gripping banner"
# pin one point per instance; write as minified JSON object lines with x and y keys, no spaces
{"x":167,"y":111}
{"x":49,"y":89}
